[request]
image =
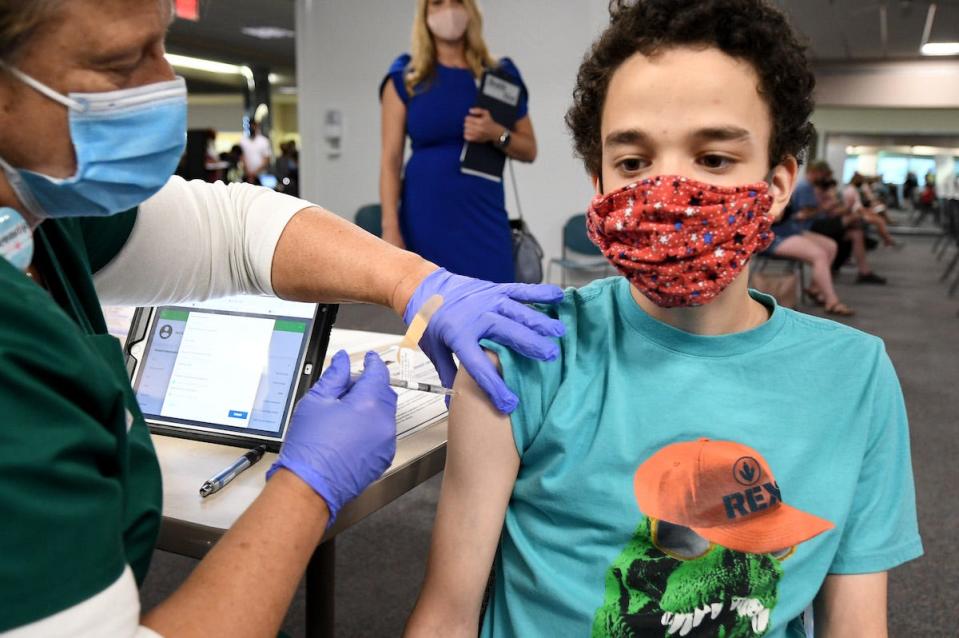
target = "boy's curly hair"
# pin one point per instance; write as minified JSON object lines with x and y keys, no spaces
{"x":749,"y":30}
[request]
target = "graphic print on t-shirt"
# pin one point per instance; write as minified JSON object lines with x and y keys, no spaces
{"x":706,"y":558}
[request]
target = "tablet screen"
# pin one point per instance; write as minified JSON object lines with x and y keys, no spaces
{"x":231,"y":365}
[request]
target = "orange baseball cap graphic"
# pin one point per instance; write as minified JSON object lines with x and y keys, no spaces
{"x":726,"y":493}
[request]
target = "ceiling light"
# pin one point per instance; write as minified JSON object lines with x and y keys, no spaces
{"x":211,"y":66}
{"x":198,"y":64}
{"x":269,"y":33}
{"x":940,"y":48}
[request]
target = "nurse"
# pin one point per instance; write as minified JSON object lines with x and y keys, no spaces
{"x":92,"y":125}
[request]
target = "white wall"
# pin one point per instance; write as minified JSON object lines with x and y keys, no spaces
{"x":944,"y":121}
{"x":946,"y":173}
{"x":345,"y":48}
{"x":220,"y":112}
{"x":869,"y":163}
{"x":922,"y":84}
{"x":832,"y":122}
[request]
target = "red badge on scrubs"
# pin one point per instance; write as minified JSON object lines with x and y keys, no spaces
{"x":188,"y":9}
{"x":679,"y":241}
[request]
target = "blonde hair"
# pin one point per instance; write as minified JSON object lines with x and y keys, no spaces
{"x":423,"y":63}
{"x":20,"y":20}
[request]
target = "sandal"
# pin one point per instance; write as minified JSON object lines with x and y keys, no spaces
{"x":839,"y":309}
{"x":815,"y":295}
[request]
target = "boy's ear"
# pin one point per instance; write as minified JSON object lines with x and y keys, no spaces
{"x":597,"y":184}
{"x":781,"y":183}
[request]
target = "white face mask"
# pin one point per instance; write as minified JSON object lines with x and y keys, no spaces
{"x":448,"y":23}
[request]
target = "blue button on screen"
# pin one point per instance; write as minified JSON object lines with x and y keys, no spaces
{"x":236,"y":414}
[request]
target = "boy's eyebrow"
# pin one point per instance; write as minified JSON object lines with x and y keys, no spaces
{"x":628,"y":137}
{"x":637,"y":137}
{"x":721,"y":134}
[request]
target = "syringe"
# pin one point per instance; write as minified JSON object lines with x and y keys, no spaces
{"x":419,"y":386}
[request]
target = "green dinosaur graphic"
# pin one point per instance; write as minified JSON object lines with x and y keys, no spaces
{"x":725,"y":593}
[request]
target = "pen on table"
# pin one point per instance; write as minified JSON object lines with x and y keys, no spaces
{"x":432,"y":388}
{"x":218,"y":482}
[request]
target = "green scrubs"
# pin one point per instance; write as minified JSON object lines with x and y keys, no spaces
{"x":79,"y":479}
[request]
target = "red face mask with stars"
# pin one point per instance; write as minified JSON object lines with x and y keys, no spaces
{"x":679,"y":241}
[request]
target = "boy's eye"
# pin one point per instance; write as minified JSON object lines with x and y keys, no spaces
{"x":715,"y":162}
{"x":632,"y":164}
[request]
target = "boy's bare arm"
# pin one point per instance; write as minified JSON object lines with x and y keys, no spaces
{"x":481,"y":467}
{"x":851,"y":605}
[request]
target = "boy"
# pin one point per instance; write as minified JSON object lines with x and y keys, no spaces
{"x":699,"y":461}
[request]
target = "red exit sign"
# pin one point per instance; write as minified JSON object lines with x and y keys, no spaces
{"x":188,"y":9}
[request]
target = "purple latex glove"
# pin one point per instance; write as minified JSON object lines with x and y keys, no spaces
{"x":473,"y":310}
{"x":342,"y":435}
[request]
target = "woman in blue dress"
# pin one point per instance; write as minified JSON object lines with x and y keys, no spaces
{"x":455,"y":220}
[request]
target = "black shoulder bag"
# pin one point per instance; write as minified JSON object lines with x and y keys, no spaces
{"x":527,"y":253}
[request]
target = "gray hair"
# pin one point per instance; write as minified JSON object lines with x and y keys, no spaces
{"x":20,"y":20}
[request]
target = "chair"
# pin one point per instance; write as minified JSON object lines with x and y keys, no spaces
{"x":576,"y":241}
{"x":760,"y":261}
{"x":370,"y":219}
{"x":951,"y":234}
{"x":922,"y":211}
{"x":946,"y":229}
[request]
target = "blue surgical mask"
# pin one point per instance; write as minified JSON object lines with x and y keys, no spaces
{"x":128,"y":143}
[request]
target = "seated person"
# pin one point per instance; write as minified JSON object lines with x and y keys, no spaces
{"x":855,"y":201}
{"x":874,"y":195}
{"x":697,"y":461}
{"x":798,"y":234}
{"x":837,"y":221}
{"x":927,"y":197}
{"x":793,"y":238}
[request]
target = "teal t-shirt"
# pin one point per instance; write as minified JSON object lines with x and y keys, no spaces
{"x":817,"y":401}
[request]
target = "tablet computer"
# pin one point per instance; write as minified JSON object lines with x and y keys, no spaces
{"x":229,"y":370}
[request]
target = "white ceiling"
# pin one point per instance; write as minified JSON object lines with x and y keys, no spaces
{"x":219,"y":33}
{"x":838,"y":30}
{"x":849,"y":30}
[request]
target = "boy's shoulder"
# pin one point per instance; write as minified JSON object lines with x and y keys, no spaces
{"x":577,"y":301}
{"x":592,"y":310}
{"x":822,"y":331}
{"x":586,"y":312}
{"x":590,"y":314}
{"x":814,"y":343}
